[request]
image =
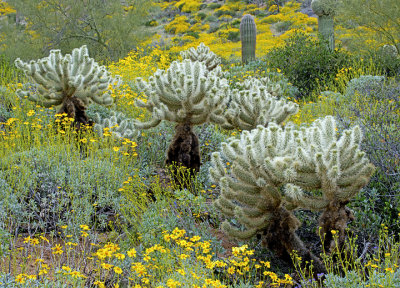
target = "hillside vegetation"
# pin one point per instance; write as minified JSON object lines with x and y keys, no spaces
{"x":180,"y":144}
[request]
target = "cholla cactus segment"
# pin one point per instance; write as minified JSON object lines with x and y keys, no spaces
{"x":118,"y":125}
{"x":60,"y":77}
{"x":256,"y":106}
{"x":270,"y":86}
{"x":186,"y":93}
{"x":202,"y":54}
{"x":259,"y":166}
{"x":334,"y":164}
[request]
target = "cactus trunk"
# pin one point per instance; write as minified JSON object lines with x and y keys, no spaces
{"x":183,"y":151}
{"x":248,"y":36}
{"x":281,"y":238}
{"x":75,"y":108}
{"x":326,"y":30}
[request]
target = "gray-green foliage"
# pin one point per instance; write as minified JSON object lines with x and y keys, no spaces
{"x":203,"y":54}
{"x":326,"y":9}
{"x":118,"y":124}
{"x":353,"y":280}
{"x":53,"y":186}
{"x":186,"y":93}
{"x":256,"y":106}
{"x":8,"y":281}
{"x":60,"y":77}
{"x":364,"y":85}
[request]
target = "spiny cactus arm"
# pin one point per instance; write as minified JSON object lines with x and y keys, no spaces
{"x":331,"y":163}
{"x":256,"y":106}
{"x":258,"y":223}
{"x":225,"y":206}
{"x":203,"y":54}
{"x":147,"y":125}
{"x":297,"y":198}
{"x":186,"y":92}
{"x":236,"y":233}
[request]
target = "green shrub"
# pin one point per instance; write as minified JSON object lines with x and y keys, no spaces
{"x":306,"y":62}
{"x":202,"y":15}
{"x":214,"y":6}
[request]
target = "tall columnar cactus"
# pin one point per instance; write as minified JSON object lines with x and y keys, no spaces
{"x":336,"y":166}
{"x":202,"y":54}
{"x":188,"y":94}
{"x":255,"y":106}
{"x":251,"y":189}
{"x":325,"y":10}
{"x":248,"y":36}
{"x":117,"y":124}
{"x":70,"y":81}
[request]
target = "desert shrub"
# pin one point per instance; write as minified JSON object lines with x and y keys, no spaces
{"x":282,"y":26}
{"x":375,"y":107}
{"x":364,"y":85}
{"x":202,"y":15}
{"x":306,"y":62}
{"x":214,"y":6}
{"x":45,"y":188}
{"x":354,"y":280}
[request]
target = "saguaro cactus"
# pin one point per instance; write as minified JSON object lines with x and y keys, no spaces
{"x":70,"y":81}
{"x":248,"y":36}
{"x":203,"y":54}
{"x":325,"y":10}
{"x":188,"y":94}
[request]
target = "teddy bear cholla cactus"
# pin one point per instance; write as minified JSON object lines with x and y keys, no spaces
{"x":255,"y":106}
{"x":117,"y":124}
{"x":70,"y":81}
{"x":203,"y":54}
{"x":267,"y":159}
{"x":250,"y":189}
{"x":188,"y":94}
{"x":271,"y":87}
{"x":336,"y":166}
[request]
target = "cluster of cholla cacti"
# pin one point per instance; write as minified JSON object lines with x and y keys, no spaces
{"x":274,"y":169}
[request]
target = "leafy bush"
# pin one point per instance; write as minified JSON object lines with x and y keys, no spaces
{"x":364,"y":85}
{"x":214,"y":6}
{"x":375,"y":107}
{"x":306,"y":62}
